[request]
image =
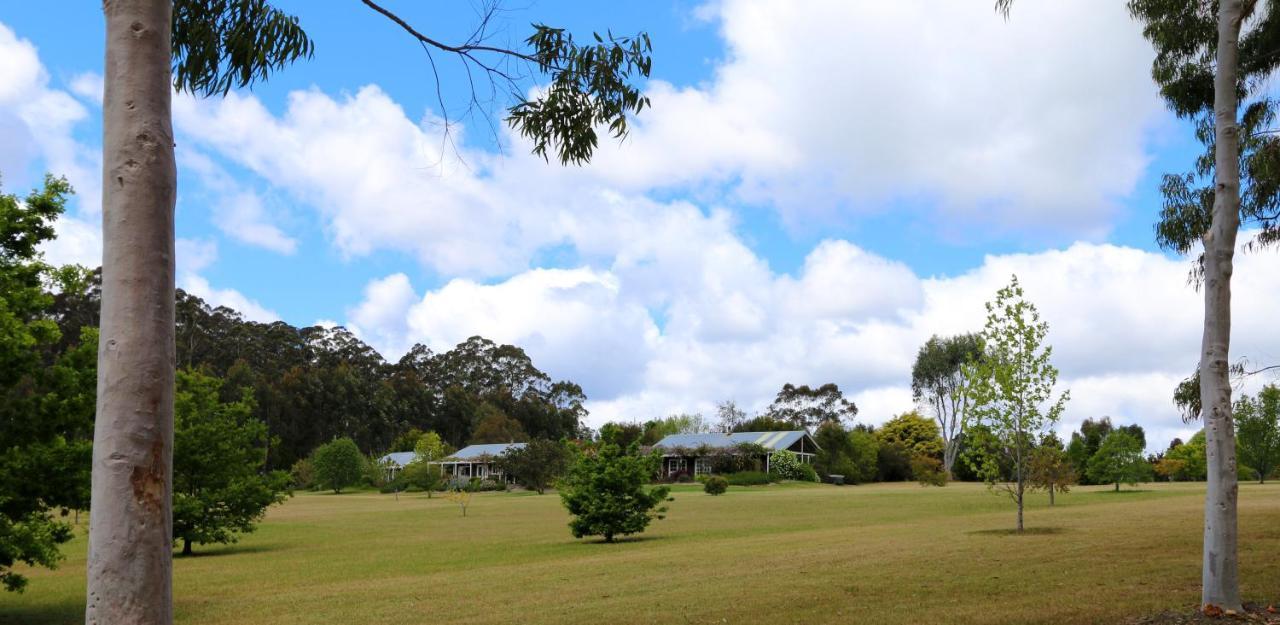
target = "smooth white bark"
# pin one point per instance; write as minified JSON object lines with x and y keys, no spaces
{"x":130,"y":537}
{"x":1220,"y":572}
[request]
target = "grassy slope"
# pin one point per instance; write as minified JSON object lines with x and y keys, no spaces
{"x":798,"y":553}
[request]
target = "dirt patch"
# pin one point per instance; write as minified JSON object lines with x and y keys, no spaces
{"x":1253,"y":613}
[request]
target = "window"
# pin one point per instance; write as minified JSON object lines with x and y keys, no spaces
{"x":701,"y":466}
{"x":676,"y":465}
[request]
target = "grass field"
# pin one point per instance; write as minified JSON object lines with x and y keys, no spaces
{"x":778,"y":554}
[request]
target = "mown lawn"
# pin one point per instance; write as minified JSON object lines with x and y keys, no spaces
{"x":778,"y":554}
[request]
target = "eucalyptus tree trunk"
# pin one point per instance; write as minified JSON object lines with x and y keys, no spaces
{"x":130,"y":531}
{"x":1220,"y":574}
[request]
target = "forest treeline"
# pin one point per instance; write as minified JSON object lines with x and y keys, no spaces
{"x":314,"y":384}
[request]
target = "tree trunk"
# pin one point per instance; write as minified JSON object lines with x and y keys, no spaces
{"x":130,"y":531}
{"x":1117,"y":487}
{"x":1020,"y":493}
{"x":1219,"y":575}
{"x":1051,"y":495}
{"x":186,"y":547}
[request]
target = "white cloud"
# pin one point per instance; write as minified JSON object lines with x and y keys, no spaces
{"x":37,"y":122}
{"x":243,"y":217}
{"x":642,"y":347}
{"x":88,"y":85}
{"x":195,"y":255}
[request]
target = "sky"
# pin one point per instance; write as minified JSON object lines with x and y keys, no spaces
{"x":813,"y":194}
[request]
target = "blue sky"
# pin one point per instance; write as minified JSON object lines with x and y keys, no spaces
{"x":813,"y":194}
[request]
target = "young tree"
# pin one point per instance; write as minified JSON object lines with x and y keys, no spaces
{"x":46,"y":391}
{"x":1119,"y":460}
{"x":805,"y":407}
{"x":209,"y":47}
{"x":430,"y":447}
{"x":1012,"y":389}
{"x":1050,"y":469}
{"x":536,"y":465}
{"x":219,"y":450}
{"x":606,"y":494}
{"x":338,"y":464}
{"x":916,"y":435}
{"x":1259,"y":427}
{"x":938,"y":381}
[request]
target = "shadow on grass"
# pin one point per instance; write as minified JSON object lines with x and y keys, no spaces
{"x":621,"y":540}
{"x":1128,"y":491}
{"x":1030,"y":531}
{"x":224,"y":550}
{"x":60,"y":613}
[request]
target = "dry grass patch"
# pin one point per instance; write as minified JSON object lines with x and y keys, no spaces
{"x":885,"y":553}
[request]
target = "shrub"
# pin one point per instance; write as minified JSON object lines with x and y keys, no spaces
{"x":715,"y":485}
{"x":748,"y":478}
{"x":808,"y":473}
{"x":302,"y":475}
{"x":787,"y":466}
{"x":479,"y":485}
{"x":928,"y":470}
{"x":338,"y":464}
{"x":606,"y":495}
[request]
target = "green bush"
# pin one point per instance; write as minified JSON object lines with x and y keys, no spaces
{"x":787,"y":466}
{"x":338,"y":464}
{"x":479,"y":485}
{"x":748,"y":478}
{"x":715,"y":485}
{"x":302,"y":475}
{"x":928,"y":471}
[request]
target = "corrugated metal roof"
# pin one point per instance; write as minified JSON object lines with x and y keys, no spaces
{"x":472,"y":452}
{"x":768,"y":440}
{"x":399,"y":459}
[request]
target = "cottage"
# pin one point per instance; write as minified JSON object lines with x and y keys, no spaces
{"x":692,"y":453}
{"x":394,"y":462}
{"x":476,"y":461}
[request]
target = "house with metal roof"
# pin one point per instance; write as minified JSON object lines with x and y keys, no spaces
{"x":394,"y":462}
{"x":476,"y":461}
{"x":693,"y":454}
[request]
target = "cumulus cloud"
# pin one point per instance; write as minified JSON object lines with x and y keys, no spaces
{"x":193,"y":256}
{"x":37,"y":123}
{"x":849,"y":317}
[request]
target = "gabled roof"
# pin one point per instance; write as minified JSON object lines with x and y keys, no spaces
{"x":398,"y":459}
{"x":717,"y":440}
{"x":475,"y":452}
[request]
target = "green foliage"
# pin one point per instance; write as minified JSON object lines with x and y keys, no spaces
{"x":302,"y":475}
{"x":763,"y":423}
{"x":1191,"y":456}
{"x":622,"y":434}
{"x":749,"y":478}
{"x":913,"y":433}
{"x":536,"y":465}
{"x":803,"y":408}
{"x":1258,"y":431}
{"x":715,"y":485}
{"x":589,"y":88}
{"x":406,"y":441}
{"x":1012,"y":388}
{"x":338,"y":464}
{"x":420,"y":475}
{"x":1119,"y":460}
{"x":219,"y":45}
{"x":1051,"y":470}
{"x":494,"y":426}
{"x":787,"y":466}
{"x":928,"y":470}
{"x":429,"y":447}
{"x":1185,"y":37}
{"x":851,"y":454}
{"x":605,"y":492}
{"x":219,"y":450}
{"x":47,"y":386}
{"x":656,"y":429}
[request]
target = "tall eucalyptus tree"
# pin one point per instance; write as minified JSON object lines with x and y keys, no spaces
{"x":209,"y":47}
